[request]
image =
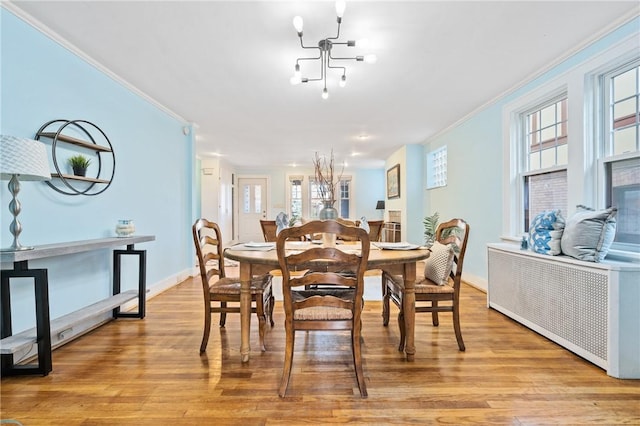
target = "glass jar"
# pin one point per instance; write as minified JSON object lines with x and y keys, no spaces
{"x":125,"y":228}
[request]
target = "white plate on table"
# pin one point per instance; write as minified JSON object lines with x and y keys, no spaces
{"x":396,"y":246}
{"x":258,"y":244}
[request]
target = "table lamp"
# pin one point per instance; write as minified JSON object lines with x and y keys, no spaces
{"x":380,"y":206}
{"x":21,"y":159}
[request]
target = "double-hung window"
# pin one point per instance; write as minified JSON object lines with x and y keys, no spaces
{"x":544,"y":167}
{"x":306,"y":200}
{"x":620,"y":89}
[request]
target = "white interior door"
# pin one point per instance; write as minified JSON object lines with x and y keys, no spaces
{"x":252,"y":206}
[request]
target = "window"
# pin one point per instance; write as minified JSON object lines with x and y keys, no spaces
{"x":295,"y":194}
{"x":306,"y":200}
{"x":596,"y":103}
{"x":345,"y":198}
{"x":437,"y":168}
{"x":544,"y":174}
{"x":316,"y":202}
{"x":621,"y":94}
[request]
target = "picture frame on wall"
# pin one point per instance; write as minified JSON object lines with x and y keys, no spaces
{"x":393,"y":182}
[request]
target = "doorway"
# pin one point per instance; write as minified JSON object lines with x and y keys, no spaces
{"x":253,"y":196}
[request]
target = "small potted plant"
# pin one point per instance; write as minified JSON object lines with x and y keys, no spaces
{"x":79,"y":164}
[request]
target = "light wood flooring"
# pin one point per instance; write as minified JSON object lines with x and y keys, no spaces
{"x":149,"y":372}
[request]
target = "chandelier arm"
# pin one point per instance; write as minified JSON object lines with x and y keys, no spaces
{"x":344,"y":59}
{"x":337,"y":35}
{"x":306,"y":47}
{"x":344,"y":69}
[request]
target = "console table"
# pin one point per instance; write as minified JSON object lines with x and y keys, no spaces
{"x":41,"y":334}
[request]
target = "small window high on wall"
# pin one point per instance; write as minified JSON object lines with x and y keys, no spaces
{"x":437,"y":168}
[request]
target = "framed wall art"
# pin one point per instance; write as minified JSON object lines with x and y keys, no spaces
{"x":393,"y":182}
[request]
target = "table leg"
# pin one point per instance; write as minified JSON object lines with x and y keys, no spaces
{"x":409,"y":304}
{"x":245,"y":310}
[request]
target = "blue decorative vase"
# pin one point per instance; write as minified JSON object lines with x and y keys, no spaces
{"x":328,"y":212}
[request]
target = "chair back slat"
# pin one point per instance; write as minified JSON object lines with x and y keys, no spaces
{"x":208,"y":243}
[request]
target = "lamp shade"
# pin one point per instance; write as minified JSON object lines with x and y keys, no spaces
{"x":26,"y":158}
{"x":380,"y":205}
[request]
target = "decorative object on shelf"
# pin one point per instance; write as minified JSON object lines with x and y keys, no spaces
{"x":393,"y":182}
{"x":26,"y":160}
{"x":326,"y":184}
{"x":79,"y":163}
{"x":125,"y":228}
{"x":87,"y":137}
{"x":324,"y":53}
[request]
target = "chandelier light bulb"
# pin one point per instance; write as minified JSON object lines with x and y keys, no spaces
{"x":370,"y":59}
{"x":295,"y":80}
{"x":340,"y":6}
{"x":343,"y":81}
{"x":297,"y":74}
{"x":325,"y":94}
{"x":298,"y":24}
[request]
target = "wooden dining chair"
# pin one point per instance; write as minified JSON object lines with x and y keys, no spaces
{"x":222,"y":293}
{"x":375,"y":230}
{"x":268,"y":230}
{"x":312,"y":310}
{"x":440,"y":282}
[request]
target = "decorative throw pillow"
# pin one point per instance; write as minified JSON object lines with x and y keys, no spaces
{"x":545,"y":232}
{"x":589,"y":233}
{"x":282,"y":222}
{"x":439,"y":263}
{"x":364,"y":224}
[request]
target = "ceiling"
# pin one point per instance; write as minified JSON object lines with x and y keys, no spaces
{"x":226,"y":65}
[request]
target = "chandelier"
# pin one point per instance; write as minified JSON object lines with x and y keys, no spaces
{"x":325,"y":58}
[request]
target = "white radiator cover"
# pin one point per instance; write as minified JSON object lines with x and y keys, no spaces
{"x":592,"y":309}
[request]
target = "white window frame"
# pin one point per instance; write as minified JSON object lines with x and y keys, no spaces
{"x":585,"y":174}
{"x":437,"y":168}
{"x":601,"y":118}
{"x":306,"y":193}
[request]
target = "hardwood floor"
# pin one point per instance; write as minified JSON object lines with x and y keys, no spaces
{"x":149,"y":372}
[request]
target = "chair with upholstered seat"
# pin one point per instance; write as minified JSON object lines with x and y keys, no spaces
{"x":218,"y":288}
{"x":440,"y":283}
{"x":323,"y":309}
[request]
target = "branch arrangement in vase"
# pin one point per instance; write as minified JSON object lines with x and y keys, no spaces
{"x":324,"y":174}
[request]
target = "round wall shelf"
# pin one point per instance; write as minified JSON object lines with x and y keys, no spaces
{"x":85,"y":138}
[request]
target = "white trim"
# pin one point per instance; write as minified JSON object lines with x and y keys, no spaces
{"x":36,"y":24}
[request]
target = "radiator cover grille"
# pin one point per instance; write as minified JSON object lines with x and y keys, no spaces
{"x":564,"y":302}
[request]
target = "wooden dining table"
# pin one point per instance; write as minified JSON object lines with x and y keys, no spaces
{"x":255,"y":259}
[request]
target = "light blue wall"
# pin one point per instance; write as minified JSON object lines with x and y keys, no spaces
{"x":42,"y":81}
{"x":475,"y":162}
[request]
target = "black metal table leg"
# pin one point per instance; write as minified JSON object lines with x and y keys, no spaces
{"x":43,"y":329}
{"x":142,"y":280}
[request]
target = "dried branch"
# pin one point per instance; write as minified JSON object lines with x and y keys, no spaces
{"x":324,"y":172}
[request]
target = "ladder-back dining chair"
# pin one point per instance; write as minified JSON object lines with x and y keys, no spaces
{"x":440,"y":283}
{"x":268,"y":230}
{"x":222,"y":293}
{"x":312,"y":310}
